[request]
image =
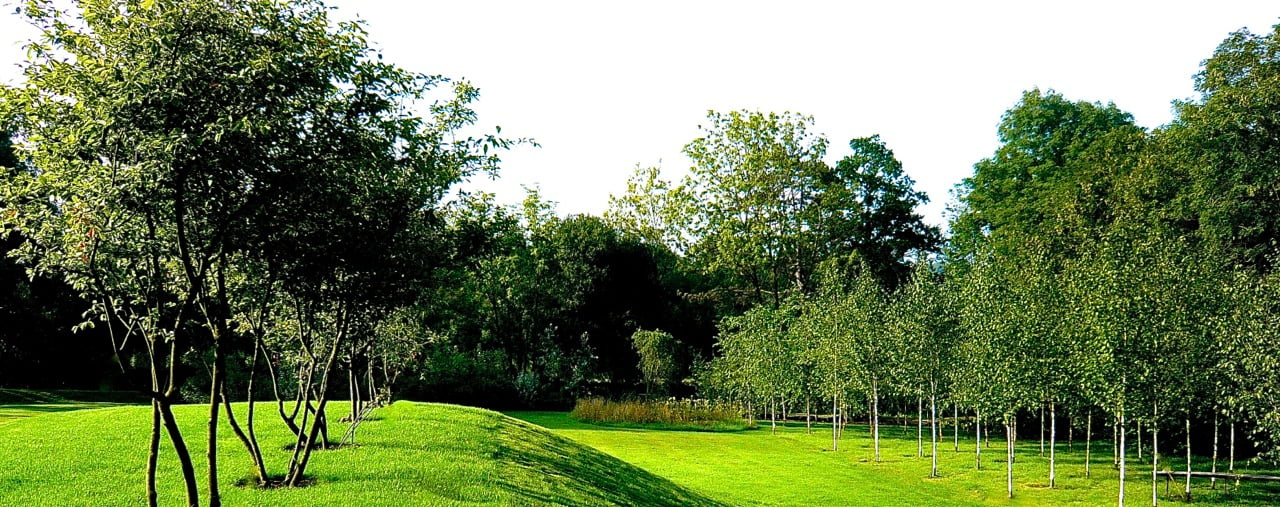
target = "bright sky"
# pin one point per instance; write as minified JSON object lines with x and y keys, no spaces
{"x":604,"y":86}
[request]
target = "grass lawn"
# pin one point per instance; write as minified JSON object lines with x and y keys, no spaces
{"x":407,"y":454}
{"x":21,"y":403}
{"x":796,"y":468}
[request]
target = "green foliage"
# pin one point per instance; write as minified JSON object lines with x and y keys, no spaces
{"x":659,"y":363}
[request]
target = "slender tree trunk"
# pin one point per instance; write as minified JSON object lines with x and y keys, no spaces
{"x":153,"y":453}
{"x":808,"y":415}
{"x":1071,"y":427}
{"x":773,"y":416}
{"x":1231,"y":464}
{"x":259,"y":468}
{"x":875,"y":418}
{"x":1155,"y":459}
{"x":298,"y":472}
{"x":1053,"y":440}
{"x":184,"y":455}
{"x":835,"y":424}
{"x":919,"y":427}
{"x":1008,"y":436}
{"x":977,"y":443}
{"x":1213,"y":481}
{"x":933,"y":430}
{"x":1119,"y":429}
{"x":955,"y":426}
{"x":215,"y":392}
{"x":1186,"y":493}
{"x":1042,"y":430}
{"x":1088,"y":440}
{"x":1115,"y":446}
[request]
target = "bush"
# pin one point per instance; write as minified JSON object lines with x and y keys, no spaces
{"x":700,"y":415}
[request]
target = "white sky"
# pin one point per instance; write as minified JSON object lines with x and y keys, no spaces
{"x":606,"y":85}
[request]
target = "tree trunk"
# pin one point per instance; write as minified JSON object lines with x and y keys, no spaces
{"x":773,"y":416}
{"x":1186,"y":493}
{"x":1155,"y":458}
{"x":1119,"y":429}
{"x":1231,"y":464}
{"x":955,"y":426}
{"x":1008,"y":436}
{"x":298,"y":468}
{"x":875,"y":418}
{"x":1088,"y":440}
{"x":184,"y":455}
{"x":1070,"y":429}
{"x":259,"y":468}
{"x":977,"y":443}
{"x":835,"y":425}
{"x":215,"y":391}
{"x":808,"y":415}
{"x":1115,"y":446}
{"x":153,"y":453}
{"x":1042,"y":430}
{"x":249,"y":440}
{"x":1053,"y":440}
{"x":933,"y":429}
{"x":1213,"y":482}
{"x":919,"y":427}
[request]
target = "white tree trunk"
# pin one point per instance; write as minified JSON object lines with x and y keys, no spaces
{"x":875,"y":418}
{"x":1008,"y":436}
{"x":1187,"y":492}
{"x":1053,"y":437}
{"x":919,"y":427}
{"x":1120,"y":453}
{"x":1213,"y":482}
{"x":977,"y":443}
{"x":1155,"y":460}
{"x":1231,"y":465}
{"x":1088,"y":440}
{"x":808,"y":414}
{"x":835,"y":442}
{"x":773,"y":416}
{"x":933,"y":423}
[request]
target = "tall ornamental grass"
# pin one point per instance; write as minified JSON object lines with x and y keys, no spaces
{"x":661,"y":414}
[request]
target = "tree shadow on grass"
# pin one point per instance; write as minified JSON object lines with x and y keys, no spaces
{"x":570,"y":473}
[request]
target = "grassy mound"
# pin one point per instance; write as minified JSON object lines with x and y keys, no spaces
{"x":409,"y":454}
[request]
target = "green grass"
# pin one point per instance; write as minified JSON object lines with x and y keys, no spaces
{"x":17,"y":404}
{"x":407,"y":454}
{"x":796,"y":468}
{"x":430,"y":454}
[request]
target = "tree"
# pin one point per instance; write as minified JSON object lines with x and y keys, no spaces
{"x":658,"y":361}
{"x":182,"y":137}
{"x":1042,"y":138}
{"x":753,"y":175}
{"x":867,"y":206}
